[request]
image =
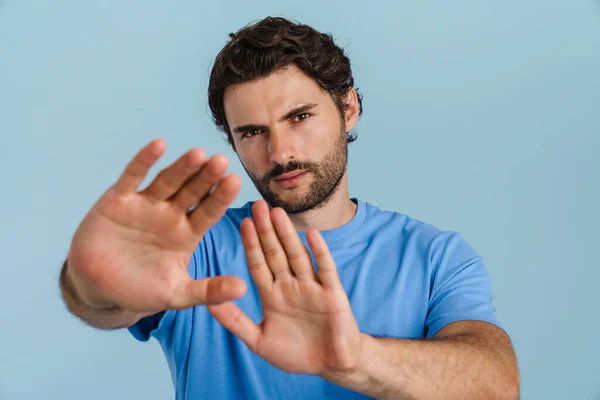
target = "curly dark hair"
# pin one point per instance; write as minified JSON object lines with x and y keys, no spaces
{"x":274,"y":43}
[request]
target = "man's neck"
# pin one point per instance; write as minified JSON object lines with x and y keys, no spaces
{"x":338,"y":211}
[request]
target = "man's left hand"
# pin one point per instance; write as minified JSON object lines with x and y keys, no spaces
{"x":308,"y":326}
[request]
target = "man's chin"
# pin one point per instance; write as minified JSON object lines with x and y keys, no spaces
{"x":291,"y":201}
{"x":295,"y":208}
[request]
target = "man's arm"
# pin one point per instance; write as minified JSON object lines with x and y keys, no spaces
{"x":101,"y":318}
{"x":465,"y":360}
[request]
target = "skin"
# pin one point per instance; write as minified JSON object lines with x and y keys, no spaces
{"x":308,"y":326}
{"x":315,"y":137}
{"x":129,"y":255}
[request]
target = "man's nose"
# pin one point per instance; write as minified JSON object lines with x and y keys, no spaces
{"x":281,"y":147}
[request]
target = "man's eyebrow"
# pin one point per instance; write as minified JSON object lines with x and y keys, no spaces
{"x":292,"y":113}
{"x":250,"y":127}
{"x":298,"y":110}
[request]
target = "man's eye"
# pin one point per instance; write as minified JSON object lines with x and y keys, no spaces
{"x":301,"y":117}
{"x":251,"y":133}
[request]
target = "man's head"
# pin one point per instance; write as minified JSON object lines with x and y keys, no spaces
{"x":284,"y":95}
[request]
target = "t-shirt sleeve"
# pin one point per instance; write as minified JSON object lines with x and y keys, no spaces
{"x":461,"y":287}
{"x":142,"y":329}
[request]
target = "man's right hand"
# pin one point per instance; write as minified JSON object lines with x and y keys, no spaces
{"x":132,"y":249}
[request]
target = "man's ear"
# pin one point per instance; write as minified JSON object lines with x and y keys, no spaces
{"x":352,"y":109}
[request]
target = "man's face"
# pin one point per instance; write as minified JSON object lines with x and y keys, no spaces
{"x":290,"y":138}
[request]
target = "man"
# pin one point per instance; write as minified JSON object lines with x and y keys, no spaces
{"x":307,"y":293}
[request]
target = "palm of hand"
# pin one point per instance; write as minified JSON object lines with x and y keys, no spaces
{"x":135,"y":246}
{"x":121,"y":242}
{"x":308,"y":326}
{"x":303,"y":327}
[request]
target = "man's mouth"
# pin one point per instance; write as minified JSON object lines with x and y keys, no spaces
{"x":290,"y":180}
{"x":289,"y":175}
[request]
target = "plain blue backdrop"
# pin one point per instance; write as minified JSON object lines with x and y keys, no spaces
{"x":480,"y":117}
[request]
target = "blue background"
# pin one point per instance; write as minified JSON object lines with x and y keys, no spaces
{"x":480,"y":117}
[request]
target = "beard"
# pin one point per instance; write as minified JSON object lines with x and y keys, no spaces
{"x":327,"y":176}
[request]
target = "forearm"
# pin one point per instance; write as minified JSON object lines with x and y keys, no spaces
{"x":462,"y":367}
{"x":101,"y":318}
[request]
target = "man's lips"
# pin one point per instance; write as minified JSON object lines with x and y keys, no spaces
{"x":289,"y":175}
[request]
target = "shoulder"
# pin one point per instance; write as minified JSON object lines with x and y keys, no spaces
{"x":414,"y":236}
{"x":410,"y":228}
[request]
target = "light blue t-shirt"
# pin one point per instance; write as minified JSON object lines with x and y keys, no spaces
{"x":404,"y":279}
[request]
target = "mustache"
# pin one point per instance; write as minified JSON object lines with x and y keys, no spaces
{"x":289,"y":167}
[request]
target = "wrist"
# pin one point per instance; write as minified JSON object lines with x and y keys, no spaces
{"x":356,"y":376}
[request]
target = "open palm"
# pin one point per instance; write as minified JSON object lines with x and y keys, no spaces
{"x":308,"y":326}
{"x":133,"y":247}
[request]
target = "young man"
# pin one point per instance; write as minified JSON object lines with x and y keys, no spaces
{"x":351,"y":301}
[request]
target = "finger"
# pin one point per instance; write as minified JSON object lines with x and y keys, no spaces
{"x":214,"y":206}
{"x":257,"y":265}
{"x":327,"y":270}
{"x":233,"y":319}
{"x":271,"y":247}
{"x":200,"y":184}
{"x":137,"y":169}
{"x":297,"y":254}
{"x":170,"y":179}
{"x":207,"y":291}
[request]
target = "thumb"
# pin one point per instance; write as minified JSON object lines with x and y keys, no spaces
{"x":213,"y":290}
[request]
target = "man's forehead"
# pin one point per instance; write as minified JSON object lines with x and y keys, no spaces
{"x":276,"y":93}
